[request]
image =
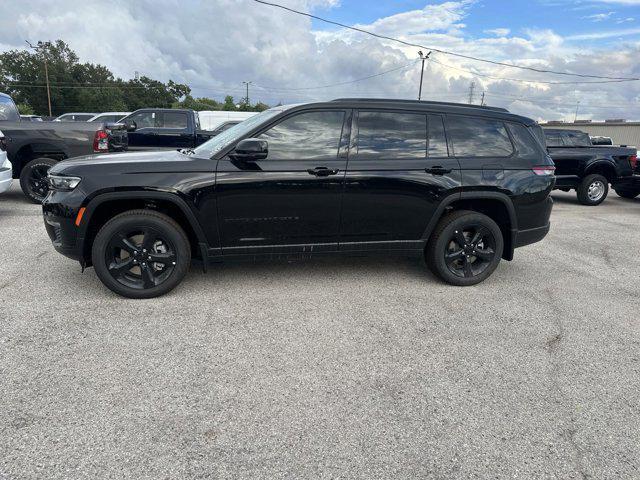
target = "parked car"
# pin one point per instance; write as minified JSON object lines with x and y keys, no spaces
{"x":350,"y":176}
{"x":33,"y":147}
{"x":109,"y":117}
{"x":31,"y":118}
{"x":75,"y":117}
{"x":213,"y":119}
{"x":6,"y":176}
{"x":164,"y":128}
{"x":586,"y":168}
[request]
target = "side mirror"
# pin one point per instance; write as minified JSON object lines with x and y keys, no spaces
{"x":250,"y":149}
{"x":130,"y":125}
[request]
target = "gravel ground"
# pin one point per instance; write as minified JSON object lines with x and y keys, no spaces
{"x":357,"y":368}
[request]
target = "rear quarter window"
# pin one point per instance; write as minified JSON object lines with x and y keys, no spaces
{"x":526,"y":145}
{"x":478,"y":137}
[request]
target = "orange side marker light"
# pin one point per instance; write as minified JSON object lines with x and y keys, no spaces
{"x":79,"y":217}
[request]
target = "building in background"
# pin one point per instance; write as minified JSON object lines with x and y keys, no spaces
{"x":620,"y":131}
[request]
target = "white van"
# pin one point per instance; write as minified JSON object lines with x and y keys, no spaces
{"x":211,"y":120}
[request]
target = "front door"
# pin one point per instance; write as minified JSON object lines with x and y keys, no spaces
{"x":399,"y":171}
{"x":290,"y":201}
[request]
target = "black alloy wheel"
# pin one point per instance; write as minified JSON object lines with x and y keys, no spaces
{"x":465,"y":248}
{"x":141,"y":254}
{"x":140,"y":258}
{"x":33,"y":179}
{"x":471,"y":251}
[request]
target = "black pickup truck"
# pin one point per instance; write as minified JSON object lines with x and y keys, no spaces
{"x":164,"y":128}
{"x":34,"y":147}
{"x":587,"y":168}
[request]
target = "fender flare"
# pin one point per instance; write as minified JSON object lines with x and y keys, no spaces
{"x":600,"y":163}
{"x":172,"y":197}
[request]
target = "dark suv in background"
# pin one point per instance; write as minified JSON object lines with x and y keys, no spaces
{"x":460,"y":185}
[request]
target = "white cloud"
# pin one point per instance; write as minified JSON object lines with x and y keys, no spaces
{"x":216,"y":44}
{"x":599,"y":17}
{"x":498,"y":32}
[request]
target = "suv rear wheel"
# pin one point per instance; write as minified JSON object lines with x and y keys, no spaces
{"x":33,"y":179}
{"x":141,"y":254}
{"x":465,"y":248}
{"x":593,"y":190}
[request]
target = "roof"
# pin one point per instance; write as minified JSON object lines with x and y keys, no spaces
{"x":427,"y":106}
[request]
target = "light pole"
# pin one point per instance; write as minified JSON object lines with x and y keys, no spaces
{"x":247,"y":97}
{"x":42,"y":46}
{"x":423,"y":58}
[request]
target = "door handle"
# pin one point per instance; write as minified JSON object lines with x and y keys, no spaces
{"x":322,"y":171}
{"x":438,"y":170}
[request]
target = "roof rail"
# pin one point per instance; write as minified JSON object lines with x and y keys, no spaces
{"x":420,"y":102}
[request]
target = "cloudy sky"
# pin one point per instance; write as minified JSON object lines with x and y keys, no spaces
{"x":213,"y":45}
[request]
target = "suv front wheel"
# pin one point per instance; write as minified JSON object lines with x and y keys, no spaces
{"x":141,"y":254}
{"x":465,"y":248}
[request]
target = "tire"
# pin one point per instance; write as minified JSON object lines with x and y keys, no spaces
{"x":630,"y":194}
{"x":593,"y":190}
{"x":448,"y":259}
{"x":134,"y":239}
{"x":33,"y":179}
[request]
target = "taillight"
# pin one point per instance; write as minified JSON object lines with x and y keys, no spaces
{"x":633,"y":160}
{"x":3,"y":142}
{"x":101,"y":141}
{"x":544,"y":170}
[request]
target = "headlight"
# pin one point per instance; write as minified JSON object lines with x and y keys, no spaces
{"x":59,"y":182}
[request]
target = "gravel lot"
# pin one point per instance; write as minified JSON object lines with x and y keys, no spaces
{"x":358,"y":368}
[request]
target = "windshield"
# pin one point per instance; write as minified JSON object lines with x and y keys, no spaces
{"x":8,"y":110}
{"x":217,"y":143}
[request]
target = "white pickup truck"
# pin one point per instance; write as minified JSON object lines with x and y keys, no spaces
{"x":5,"y":167}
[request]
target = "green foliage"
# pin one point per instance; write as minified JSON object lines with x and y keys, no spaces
{"x":24,"y":109}
{"x":86,"y":87}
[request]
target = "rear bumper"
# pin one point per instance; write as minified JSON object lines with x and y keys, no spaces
{"x":628,"y":183}
{"x":522,"y":238}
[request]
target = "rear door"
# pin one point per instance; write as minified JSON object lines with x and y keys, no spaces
{"x":290,"y":201}
{"x":398,"y":173}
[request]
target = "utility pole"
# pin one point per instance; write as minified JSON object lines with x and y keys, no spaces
{"x":575,"y":119}
{"x":42,"y":46}
{"x":472,"y":89}
{"x":423,"y":58}
{"x":482,"y":100}
{"x":247,"y":97}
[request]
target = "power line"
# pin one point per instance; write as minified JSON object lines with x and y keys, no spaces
{"x":445,"y":52}
{"x":521,"y":80}
{"x":343,"y":83}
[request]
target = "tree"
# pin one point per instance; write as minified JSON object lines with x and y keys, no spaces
{"x":229,"y":104}
{"x":24,"y":109}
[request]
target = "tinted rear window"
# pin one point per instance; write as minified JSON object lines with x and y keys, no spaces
{"x":8,"y":110}
{"x":526,"y":145}
{"x":576,"y":139}
{"x":478,"y":137}
{"x":174,"y":120}
{"x":553,"y":139}
{"x":392,"y":135}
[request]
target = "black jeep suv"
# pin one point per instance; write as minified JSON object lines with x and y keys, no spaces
{"x":460,"y":185}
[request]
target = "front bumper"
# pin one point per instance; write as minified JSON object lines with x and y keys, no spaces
{"x":6,"y":173}
{"x":59,"y":212}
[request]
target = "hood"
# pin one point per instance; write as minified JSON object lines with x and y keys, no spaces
{"x":136,"y":162}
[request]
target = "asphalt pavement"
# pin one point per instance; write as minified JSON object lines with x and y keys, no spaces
{"x":351,"y":368}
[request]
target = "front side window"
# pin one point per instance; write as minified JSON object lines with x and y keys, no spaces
{"x":144,"y":119}
{"x":306,"y":136}
{"x":478,"y":137}
{"x":176,"y":120}
{"x":391,"y":135}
